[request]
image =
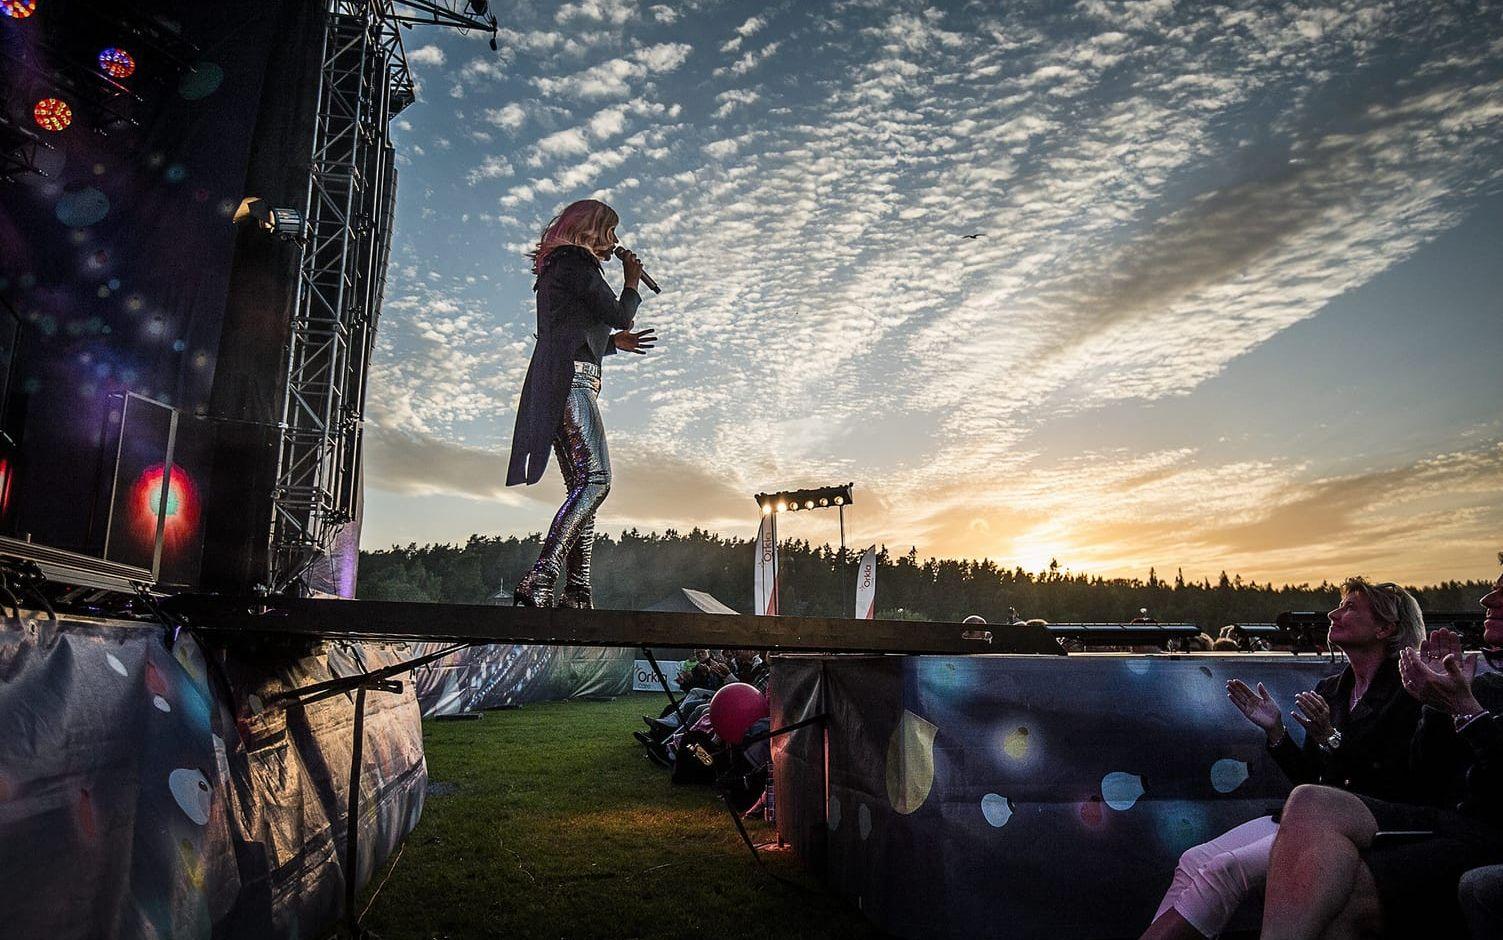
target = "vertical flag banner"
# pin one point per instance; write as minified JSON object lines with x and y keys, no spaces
{"x":765,"y":601}
{"x":866,"y":585}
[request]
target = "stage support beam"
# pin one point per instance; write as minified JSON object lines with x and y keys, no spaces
{"x":475,"y":623}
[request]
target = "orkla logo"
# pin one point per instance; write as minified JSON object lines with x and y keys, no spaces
{"x":866,"y":575}
{"x":767,"y":546}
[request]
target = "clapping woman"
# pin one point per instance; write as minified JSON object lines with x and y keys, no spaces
{"x":1358,"y":727}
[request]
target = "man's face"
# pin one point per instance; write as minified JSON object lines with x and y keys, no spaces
{"x":1492,"y":626}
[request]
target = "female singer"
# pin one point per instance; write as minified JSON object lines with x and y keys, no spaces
{"x":576,"y":314}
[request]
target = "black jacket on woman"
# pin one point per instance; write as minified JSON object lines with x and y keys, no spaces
{"x":1373,"y":758}
{"x":576,"y":312}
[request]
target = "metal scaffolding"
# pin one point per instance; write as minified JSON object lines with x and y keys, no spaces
{"x":348,"y":211}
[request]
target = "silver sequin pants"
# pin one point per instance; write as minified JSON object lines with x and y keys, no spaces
{"x":580,"y":448}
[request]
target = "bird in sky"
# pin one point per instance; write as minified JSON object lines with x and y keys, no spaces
{"x":977,"y":235}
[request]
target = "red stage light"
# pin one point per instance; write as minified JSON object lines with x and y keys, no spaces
{"x":182,"y":506}
{"x":117,"y":63}
{"x":52,"y":114}
{"x":18,"y":9}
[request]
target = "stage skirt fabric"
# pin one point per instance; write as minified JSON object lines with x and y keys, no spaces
{"x":148,"y":791}
{"x":1016,"y":796}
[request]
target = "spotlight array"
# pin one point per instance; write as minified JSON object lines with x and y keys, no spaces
{"x":799,"y":500}
{"x":117,"y":63}
{"x":18,"y":9}
{"x":52,"y":114}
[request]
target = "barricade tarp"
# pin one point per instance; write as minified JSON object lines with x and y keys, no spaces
{"x":156,"y":792}
{"x":1010,"y":796}
{"x":499,"y":675}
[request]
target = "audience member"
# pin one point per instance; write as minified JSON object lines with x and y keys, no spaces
{"x":1331,"y":873}
{"x":1358,"y":727}
{"x":664,"y":733}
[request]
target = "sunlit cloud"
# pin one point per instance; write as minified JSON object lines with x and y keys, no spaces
{"x":1159,"y":191}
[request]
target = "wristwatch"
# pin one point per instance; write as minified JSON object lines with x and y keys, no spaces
{"x":1331,"y":743}
{"x":1461,"y":721}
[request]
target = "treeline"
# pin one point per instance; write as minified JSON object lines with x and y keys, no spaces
{"x":637,"y":570}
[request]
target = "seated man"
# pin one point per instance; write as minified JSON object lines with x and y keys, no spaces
{"x":1330,"y":877}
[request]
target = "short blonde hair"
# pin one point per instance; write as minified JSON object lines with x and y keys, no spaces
{"x":1391,"y":604}
{"x":583,"y":223}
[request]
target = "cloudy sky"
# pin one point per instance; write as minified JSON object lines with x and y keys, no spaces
{"x":1237,"y":301}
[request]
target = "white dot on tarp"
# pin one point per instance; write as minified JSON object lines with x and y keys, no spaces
{"x":910,"y":762}
{"x":1121,"y":790}
{"x":191,"y":791}
{"x":160,"y":703}
{"x":864,"y":821}
{"x":115,"y":664}
{"x":1228,"y":774}
{"x":997,"y":809}
{"x":832,"y":815}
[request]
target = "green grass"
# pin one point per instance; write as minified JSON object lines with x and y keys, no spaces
{"x":558,"y":826}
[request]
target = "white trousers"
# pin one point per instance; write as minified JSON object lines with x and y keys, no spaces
{"x":1214,"y":878}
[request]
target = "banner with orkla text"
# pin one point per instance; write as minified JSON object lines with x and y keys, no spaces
{"x":866,"y":585}
{"x":765,"y":588}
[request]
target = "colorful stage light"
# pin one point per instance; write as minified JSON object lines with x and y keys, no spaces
{"x":18,"y":9}
{"x":117,"y":63}
{"x":52,"y":114}
{"x":181,"y":516}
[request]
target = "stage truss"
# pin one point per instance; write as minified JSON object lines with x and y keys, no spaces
{"x":348,"y":216}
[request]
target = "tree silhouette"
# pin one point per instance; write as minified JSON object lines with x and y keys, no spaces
{"x":636,"y":570}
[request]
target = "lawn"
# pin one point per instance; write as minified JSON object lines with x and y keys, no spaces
{"x":549,"y":821}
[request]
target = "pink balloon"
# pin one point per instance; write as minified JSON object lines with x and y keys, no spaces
{"x":735,"y":708}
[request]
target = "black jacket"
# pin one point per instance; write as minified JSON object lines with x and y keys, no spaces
{"x":576,"y":308}
{"x":1464,"y":770}
{"x":1374,"y":758}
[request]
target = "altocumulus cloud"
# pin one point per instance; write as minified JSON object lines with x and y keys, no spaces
{"x":1163,"y":189}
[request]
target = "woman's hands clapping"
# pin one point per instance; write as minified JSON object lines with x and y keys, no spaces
{"x":1315,"y":715}
{"x":1259,"y":707}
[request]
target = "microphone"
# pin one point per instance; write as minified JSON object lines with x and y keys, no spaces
{"x":646,"y":278}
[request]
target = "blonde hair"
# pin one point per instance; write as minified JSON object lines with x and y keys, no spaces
{"x":1391,"y":604}
{"x":584,"y":223}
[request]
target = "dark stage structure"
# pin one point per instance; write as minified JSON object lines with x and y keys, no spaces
{"x":205,"y":735}
{"x":193,"y":251}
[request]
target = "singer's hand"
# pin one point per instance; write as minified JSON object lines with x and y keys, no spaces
{"x":638,"y":342}
{"x":631,"y":266}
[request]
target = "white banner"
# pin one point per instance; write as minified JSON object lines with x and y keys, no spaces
{"x":866,"y":585}
{"x":643,"y":679}
{"x":765,"y":588}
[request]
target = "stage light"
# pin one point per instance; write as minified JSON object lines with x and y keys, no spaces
{"x":799,"y":500}
{"x":52,"y":114}
{"x":181,"y":516}
{"x":117,"y":63}
{"x":18,"y":9}
{"x":282,"y":222}
{"x":480,"y":7}
{"x":767,"y":509}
